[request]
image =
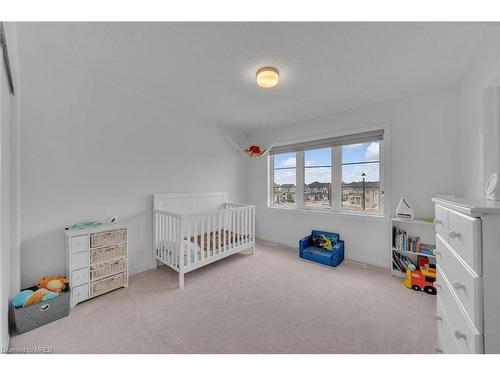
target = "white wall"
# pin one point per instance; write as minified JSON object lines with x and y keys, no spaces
{"x":91,"y":149}
{"x":4,"y":204}
{"x":422,"y":163}
{"x":479,"y":142}
{"x":9,"y":184}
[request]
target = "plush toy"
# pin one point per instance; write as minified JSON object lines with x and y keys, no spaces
{"x":53,"y":283}
{"x":254,"y":151}
{"x":20,"y":298}
{"x":28,"y":297}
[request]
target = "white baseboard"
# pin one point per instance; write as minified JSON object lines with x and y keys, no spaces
{"x":140,"y":268}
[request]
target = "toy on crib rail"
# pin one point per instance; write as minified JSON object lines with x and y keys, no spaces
{"x":53,"y":283}
{"x":28,"y":297}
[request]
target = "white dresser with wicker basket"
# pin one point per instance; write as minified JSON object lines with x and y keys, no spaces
{"x":96,"y":260}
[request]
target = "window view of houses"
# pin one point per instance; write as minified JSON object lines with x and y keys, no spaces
{"x":360,"y":182}
{"x":318,"y":194}
{"x":357,"y":197}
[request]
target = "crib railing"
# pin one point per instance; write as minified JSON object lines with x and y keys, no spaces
{"x":217,"y":232}
{"x":186,"y":241}
{"x":167,"y":236}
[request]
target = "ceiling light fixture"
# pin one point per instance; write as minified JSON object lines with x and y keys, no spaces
{"x":267,"y":77}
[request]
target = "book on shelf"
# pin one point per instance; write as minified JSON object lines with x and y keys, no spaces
{"x":402,"y":242}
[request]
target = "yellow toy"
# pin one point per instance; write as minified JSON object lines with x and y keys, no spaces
{"x":53,"y":283}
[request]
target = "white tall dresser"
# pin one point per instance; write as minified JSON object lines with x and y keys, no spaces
{"x":468,"y":275}
{"x":96,"y":261}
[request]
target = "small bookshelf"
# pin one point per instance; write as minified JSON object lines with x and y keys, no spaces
{"x":410,"y":239}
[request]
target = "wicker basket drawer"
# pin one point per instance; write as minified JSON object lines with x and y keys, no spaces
{"x":108,"y":284}
{"x":101,"y":270}
{"x":108,"y":238}
{"x":107,"y":253}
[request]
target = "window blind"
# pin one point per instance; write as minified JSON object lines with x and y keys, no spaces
{"x":374,"y":135}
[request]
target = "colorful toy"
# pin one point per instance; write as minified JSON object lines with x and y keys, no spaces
{"x":324,"y":242}
{"x":28,"y":297}
{"x":21,"y":298}
{"x":53,"y":283}
{"x":322,"y":247}
{"x":254,"y":151}
{"x":423,"y":278}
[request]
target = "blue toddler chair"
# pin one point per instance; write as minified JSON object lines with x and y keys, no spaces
{"x":310,"y":250}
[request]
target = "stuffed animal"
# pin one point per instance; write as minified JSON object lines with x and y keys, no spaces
{"x":20,"y":298}
{"x":254,"y":151}
{"x":28,"y":297}
{"x":53,"y":283}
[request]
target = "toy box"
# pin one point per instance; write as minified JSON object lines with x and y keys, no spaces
{"x":33,"y":316}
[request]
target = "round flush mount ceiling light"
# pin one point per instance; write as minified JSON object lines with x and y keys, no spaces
{"x":267,"y":77}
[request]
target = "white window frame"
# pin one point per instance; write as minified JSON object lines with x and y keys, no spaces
{"x":336,"y":183}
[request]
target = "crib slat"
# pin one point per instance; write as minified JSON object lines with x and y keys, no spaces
{"x":208,"y":236}
{"x":163,"y":235}
{"x":237,"y":224}
{"x":240,"y":212}
{"x":218,"y":233}
{"x":245,"y":222}
{"x":234,"y":228}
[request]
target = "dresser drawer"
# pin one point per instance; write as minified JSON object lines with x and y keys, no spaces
{"x":441,"y":221}
{"x":80,"y":293}
{"x":79,"y":277}
{"x":446,"y":340}
{"x":79,"y":260}
{"x":467,"y":337}
{"x":464,"y":237}
{"x":108,"y":238}
{"x":79,"y":244}
{"x":465,"y":282}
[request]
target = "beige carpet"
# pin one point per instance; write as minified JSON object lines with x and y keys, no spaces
{"x":271,"y":302}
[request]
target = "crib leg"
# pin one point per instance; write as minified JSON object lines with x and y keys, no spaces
{"x":181,"y":280}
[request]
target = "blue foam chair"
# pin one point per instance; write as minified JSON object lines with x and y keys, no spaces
{"x":309,"y":251}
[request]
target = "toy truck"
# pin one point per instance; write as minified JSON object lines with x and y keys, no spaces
{"x":423,"y":278}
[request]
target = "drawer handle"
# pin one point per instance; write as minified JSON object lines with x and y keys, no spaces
{"x":437,"y":317}
{"x":454,"y":234}
{"x":460,"y":335}
{"x":458,"y":285}
{"x":44,"y":307}
{"x":438,"y":350}
{"x":438,"y":222}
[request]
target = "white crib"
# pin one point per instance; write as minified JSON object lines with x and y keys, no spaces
{"x":191,"y":230}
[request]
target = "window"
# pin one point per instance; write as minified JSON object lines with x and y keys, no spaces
{"x":361,"y":177}
{"x":338,"y":174}
{"x":318,"y":177}
{"x":284,"y":179}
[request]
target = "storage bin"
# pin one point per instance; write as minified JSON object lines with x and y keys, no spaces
{"x":108,"y":268}
{"x":108,"y":238}
{"x":107,"y":253}
{"x":34,"y":316}
{"x":108,"y":284}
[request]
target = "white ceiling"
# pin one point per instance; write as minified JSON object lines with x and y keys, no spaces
{"x":208,"y":69}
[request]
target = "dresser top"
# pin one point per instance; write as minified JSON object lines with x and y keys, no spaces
{"x":472,"y":207}
{"x":100,"y":228}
